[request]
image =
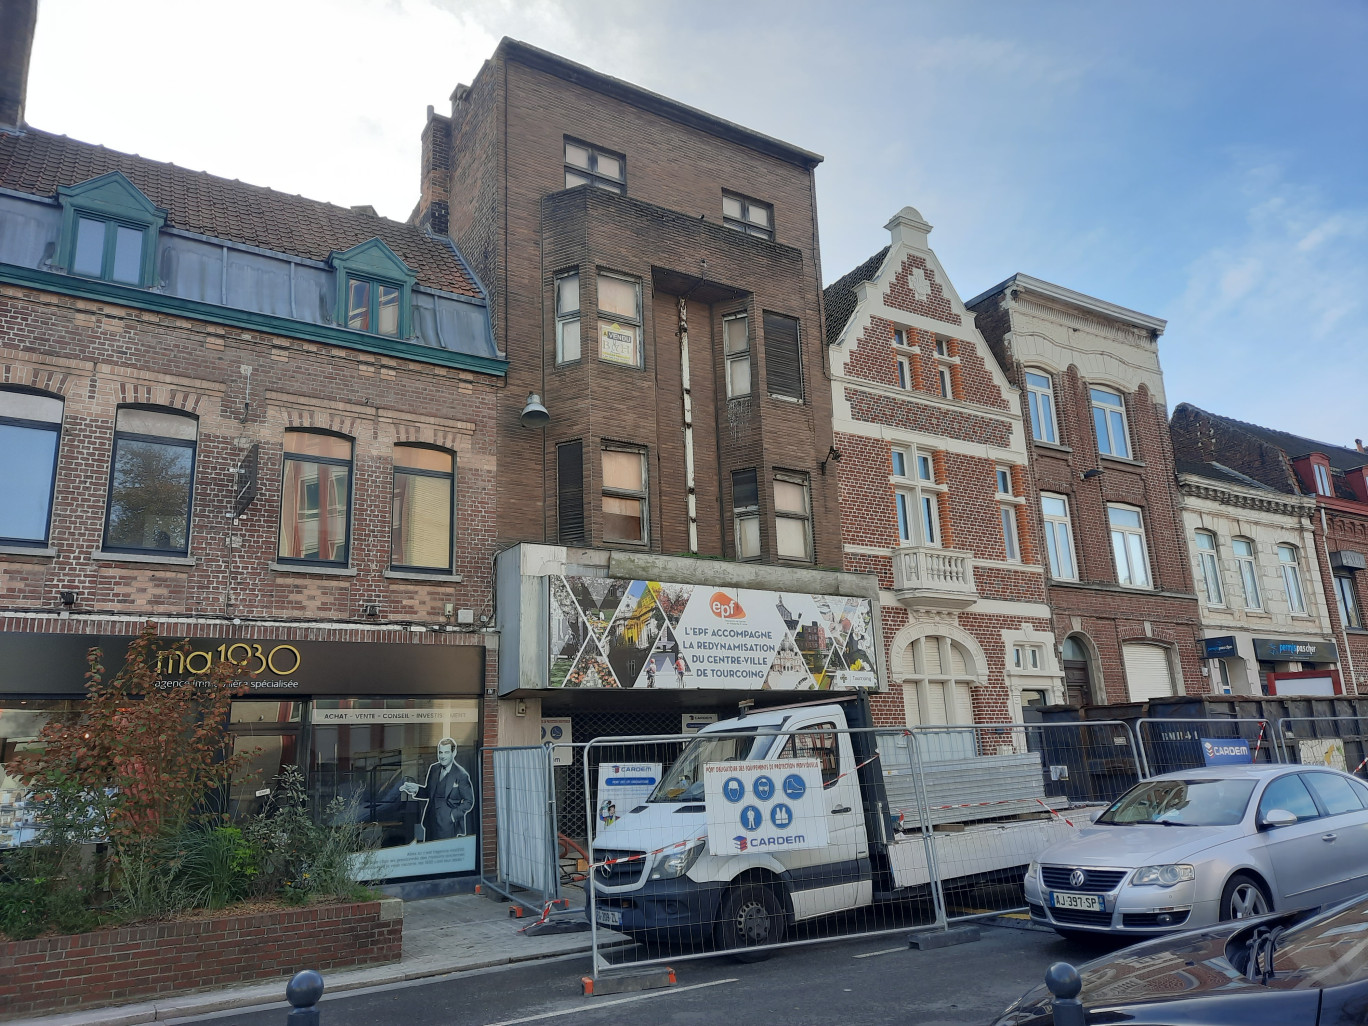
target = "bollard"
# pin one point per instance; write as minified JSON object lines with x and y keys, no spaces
{"x":1064,"y":983}
{"x":303,"y":992}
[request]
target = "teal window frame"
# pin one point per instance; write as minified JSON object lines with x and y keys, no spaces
{"x":116,"y":202}
{"x":376,"y":264}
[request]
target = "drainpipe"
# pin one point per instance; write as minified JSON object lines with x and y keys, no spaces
{"x":1344,"y":630}
{"x":688,"y":422}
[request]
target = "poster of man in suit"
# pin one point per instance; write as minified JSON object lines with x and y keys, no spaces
{"x":448,"y":793}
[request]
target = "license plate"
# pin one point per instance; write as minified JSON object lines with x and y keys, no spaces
{"x":1083,"y":902}
{"x":608,"y":916}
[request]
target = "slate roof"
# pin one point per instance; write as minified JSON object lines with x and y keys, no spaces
{"x":1295,"y":446}
{"x":1218,"y":472}
{"x":839,"y":296}
{"x":37,"y":162}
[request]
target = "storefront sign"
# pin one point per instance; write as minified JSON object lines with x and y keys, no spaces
{"x":361,"y":716}
{"x":1218,"y":648}
{"x":608,"y":633}
{"x":1275,"y":651}
{"x":622,"y":786}
{"x":1224,"y":751}
{"x":55,"y":664}
{"x":764,"y":806}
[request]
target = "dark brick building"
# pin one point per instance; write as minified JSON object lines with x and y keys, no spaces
{"x":1336,"y":477}
{"x":1103,"y":494}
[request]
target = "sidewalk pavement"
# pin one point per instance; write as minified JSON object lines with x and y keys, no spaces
{"x":441,"y":935}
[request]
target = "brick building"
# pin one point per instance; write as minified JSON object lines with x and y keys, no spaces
{"x":265,"y":424}
{"x":934,"y":491}
{"x":1102,"y":489}
{"x":1330,"y":554}
{"x":654,"y":279}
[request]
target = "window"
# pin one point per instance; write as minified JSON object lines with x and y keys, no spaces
{"x":109,"y":230}
{"x":374,"y":289}
{"x":1287,"y":558}
{"x":589,"y":165}
{"x":904,"y":372}
{"x":619,"y":307}
{"x":1222,"y":677}
{"x":1347,"y":601}
{"x":373,"y":306}
{"x":899,"y":337}
{"x":736,"y":346}
{"x":1058,"y":537}
{"x":1026,"y":657}
{"x":421,"y":517}
{"x":746,"y":513}
{"x":1109,"y":421}
{"x":1288,"y":793}
{"x":1249,"y":572}
{"x":748,"y":215}
{"x":1211,"y":568}
{"x":939,"y":691}
{"x":818,"y":741}
{"x":30,"y":427}
{"x":783,"y":357}
{"x":1128,"y":546}
{"x":108,"y":250}
{"x":570,"y":493}
{"x":943,"y":380}
{"x":1011,"y":546}
{"x":792,"y":517}
{"x":315,"y":498}
{"x":916,"y":500}
{"x":1004,"y":481}
{"x":1322,"y":479}
{"x":1040,"y":401}
{"x":568,"y":317}
{"x":150,"y":482}
{"x":624,"y":496}
{"x":1335,"y":793}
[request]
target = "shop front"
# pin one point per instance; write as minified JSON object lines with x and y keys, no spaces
{"x":385,"y":733}
{"x":1242,"y":664}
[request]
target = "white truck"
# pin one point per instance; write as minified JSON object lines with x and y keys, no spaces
{"x":655,"y":879}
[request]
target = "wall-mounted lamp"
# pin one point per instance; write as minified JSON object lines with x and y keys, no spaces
{"x":534,"y":414}
{"x":833,"y":456}
{"x":1088,"y":475}
{"x":68,"y":598}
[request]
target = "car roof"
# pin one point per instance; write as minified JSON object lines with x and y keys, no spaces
{"x":1257,"y":770}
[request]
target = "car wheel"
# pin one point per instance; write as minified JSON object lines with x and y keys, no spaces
{"x":1243,"y":898}
{"x":751,"y":916}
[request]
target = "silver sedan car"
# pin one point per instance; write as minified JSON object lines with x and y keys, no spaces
{"x":1192,"y":848}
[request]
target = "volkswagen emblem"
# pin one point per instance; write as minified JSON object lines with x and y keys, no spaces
{"x":1078,"y":878}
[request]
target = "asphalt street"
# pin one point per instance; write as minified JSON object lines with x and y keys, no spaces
{"x":868,"y":982}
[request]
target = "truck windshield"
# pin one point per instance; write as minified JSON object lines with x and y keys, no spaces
{"x":683,"y":782}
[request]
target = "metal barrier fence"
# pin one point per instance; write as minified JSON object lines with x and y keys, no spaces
{"x":1340,"y":742}
{"x":1176,"y":744}
{"x":896,"y":829}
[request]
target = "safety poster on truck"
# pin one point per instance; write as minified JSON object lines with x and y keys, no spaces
{"x":764,"y":806}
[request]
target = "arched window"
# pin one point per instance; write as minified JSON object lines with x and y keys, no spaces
{"x":30,"y":427}
{"x":1211,"y":568}
{"x":315,"y":498}
{"x":937,"y":691}
{"x":151,"y":481}
{"x":1249,"y":571}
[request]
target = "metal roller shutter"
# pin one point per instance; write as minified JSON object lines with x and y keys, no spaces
{"x":1148,"y":672}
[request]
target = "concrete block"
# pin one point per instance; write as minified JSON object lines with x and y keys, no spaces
{"x":928,"y":940}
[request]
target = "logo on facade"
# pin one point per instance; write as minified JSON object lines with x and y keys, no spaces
{"x":1078,"y":878}
{"x":724,"y":607}
{"x":741,"y":843}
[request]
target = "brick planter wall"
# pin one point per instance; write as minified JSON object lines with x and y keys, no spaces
{"x":128,"y":964}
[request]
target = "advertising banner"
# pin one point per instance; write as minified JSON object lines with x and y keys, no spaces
{"x":1223,"y":751}
{"x":768,"y":806}
{"x":622,"y":786}
{"x":608,"y":633}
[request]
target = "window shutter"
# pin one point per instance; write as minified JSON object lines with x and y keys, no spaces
{"x":570,"y":492}
{"x":783,"y":358}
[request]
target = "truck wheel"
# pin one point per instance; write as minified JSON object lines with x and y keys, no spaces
{"x":751,"y":916}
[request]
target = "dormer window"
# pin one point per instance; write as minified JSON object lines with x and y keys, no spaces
{"x":374,"y":290}
{"x":1322,"y":479}
{"x":109,"y":231}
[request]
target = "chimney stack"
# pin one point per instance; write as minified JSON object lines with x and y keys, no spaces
{"x":17,"y":21}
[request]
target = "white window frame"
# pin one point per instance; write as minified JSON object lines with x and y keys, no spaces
{"x":1322,"y":476}
{"x":748,"y":515}
{"x":805,"y":516}
{"x":1346,"y":597}
{"x":1040,"y":403}
{"x":1291,"y":573}
{"x":943,"y":379}
{"x":1210,"y":562}
{"x":1028,"y":658}
{"x":905,"y":379}
{"x":1113,"y":434}
{"x":916,"y":498}
{"x":1247,"y":567}
{"x":1059,"y":539}
{"x":736,"y":357}
{"x":1129,"y":551}
{"x":568,"y":318}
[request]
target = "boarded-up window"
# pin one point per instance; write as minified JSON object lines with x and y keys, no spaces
{"x":570,"y":492}
{"x":783,"y":357}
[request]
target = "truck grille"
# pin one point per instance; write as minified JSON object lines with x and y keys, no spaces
{"x":619,"y":873}
{"x":1095,"y":881}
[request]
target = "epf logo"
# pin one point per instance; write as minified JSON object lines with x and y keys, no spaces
{"x":725,"y":607}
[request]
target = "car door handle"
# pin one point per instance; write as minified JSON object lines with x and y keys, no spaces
{"x":839,"y":809}
{"x":1328,"y":837}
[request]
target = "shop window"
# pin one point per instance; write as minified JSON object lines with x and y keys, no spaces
{"x":1109,"y":422}
{"x":568,"y":317}
{"x":746,"y":513}
{"x":1222,"y":683}
{"x":625,"y":496}
{"x":570,"y":493}
{"x":315,"y":499}
{"x":736,"y":343}
{"x":1128,"y":546}
{"x":586,"y":164}
{"x":1291,"y":573}
{"x":423,"y":508}
{"x":792,"y":517}
{"x":374,"y":290}
{"x":109,"y":231}
{"x":151,"y":481}
{"x":1346,"y":598}
{"x":619,"y":309}
{"x":1054,"y":511}
{"x":1243,"y":549}
{"x":30,"y":429}
{"x":747,"y":215}
{"x":783,"y":357}
{"x":1040,"y":402}
{"x":1211,"y":568}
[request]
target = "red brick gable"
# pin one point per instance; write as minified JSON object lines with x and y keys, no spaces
{"x":929,"y":300}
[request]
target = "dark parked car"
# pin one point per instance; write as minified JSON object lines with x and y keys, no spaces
{"x":1307,"y":968}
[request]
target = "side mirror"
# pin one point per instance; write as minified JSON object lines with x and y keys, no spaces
{"x":1278,"y":818}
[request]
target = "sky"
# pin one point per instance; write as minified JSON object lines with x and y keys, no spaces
{"x":1199,"y":162}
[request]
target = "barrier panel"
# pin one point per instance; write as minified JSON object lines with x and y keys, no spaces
{"x":526,"y":858}
{"x":1340,"y":742}
{"x":1170,"y":744}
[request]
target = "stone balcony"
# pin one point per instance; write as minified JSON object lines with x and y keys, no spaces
{"x":925,"y":577}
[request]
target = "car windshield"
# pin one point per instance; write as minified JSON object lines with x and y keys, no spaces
{"x":1181,"y":803}
{"x":683,"y":782}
